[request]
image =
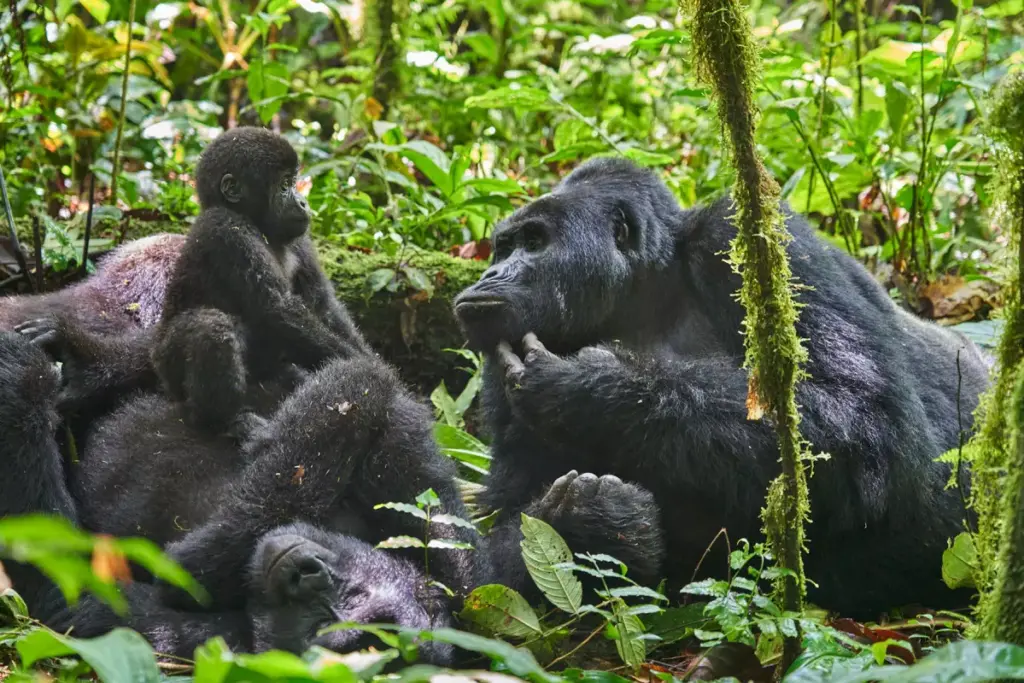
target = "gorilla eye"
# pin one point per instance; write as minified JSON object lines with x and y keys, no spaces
{"x":533,"y":238}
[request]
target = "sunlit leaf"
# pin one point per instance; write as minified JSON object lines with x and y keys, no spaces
{"x":121,"y":655}
{"x":960,"y":562}
{"x":527,"y":99}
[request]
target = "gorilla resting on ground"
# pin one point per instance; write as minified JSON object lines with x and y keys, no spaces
{"x":285,"y":513}
{"x":633,"y":369}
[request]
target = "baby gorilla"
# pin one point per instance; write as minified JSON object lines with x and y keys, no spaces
{"x":300,"y":577}
{"x":247,"y":299}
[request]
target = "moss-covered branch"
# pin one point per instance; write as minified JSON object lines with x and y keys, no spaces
{"x":727,"y":60}
{"x":998,"y":461}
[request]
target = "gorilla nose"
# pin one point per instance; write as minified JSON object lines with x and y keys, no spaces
{"x":294,"y":568}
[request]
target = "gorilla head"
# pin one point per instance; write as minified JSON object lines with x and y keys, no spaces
{"x":253,"y":171}
{"x":567,"y":265}
{"x":303,"y":579}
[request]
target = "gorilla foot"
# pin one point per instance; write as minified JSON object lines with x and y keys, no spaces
{"x":606,"y":515}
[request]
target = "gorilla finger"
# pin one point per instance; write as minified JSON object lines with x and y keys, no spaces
{"x":556,"y":493}
{"x":43,"y":339}
{"x":34,"y":323}
{"x":584,"y":487}
{"x":510,"y":362}
{"x":533,"y":348}
{"x":610,"y":482}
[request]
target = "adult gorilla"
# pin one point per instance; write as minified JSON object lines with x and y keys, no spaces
{"x":614,"y":346}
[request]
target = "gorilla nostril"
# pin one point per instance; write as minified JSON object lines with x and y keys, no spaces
{"x":309,"y":566}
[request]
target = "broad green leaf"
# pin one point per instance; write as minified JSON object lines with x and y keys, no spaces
{"x":483,"y":45}
{"x":428,"y":498}
{"x":380,"y":278}
{"x":960,"y":562}
{"x":543,"y":547}
{"x":1005,"y":8}
{"x":419,"y":279}
{"x":645,"y":158}
{"x":407,"y":508}
{"x":527,"y":99}
{"x":121,"y":655}
{"x":635,"y":592}
{"x":897,"y":101}
{"x":12,"y":606}
{"x":431,"y":162}
{"x":99,"y":9}
{"x":502,"y":611}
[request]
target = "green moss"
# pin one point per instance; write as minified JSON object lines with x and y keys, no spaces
{"x":727,"y":60}
{"x":994,"y":452}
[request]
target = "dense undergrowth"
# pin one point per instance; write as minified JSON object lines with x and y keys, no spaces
{"x":416,"y":137}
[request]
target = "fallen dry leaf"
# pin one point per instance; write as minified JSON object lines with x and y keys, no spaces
{"x":951,"y":299}
{"x":755,"y":409}
{"x":736,"y":660}
{"x":5,"y":581}
{"x":300,"y":472}
{"x":109,"y":563}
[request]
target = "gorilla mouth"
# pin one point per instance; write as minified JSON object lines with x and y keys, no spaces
{"x":479,"y":304}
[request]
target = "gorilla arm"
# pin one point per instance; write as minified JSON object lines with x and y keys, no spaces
{"x":252,"y":284}
{"x":311,"y":284}
{"x":648,"y":416}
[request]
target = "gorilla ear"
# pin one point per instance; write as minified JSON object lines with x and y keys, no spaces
{"x":625,"y":233}
{"x":230,"y":189}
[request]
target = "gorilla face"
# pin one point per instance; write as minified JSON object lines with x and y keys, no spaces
{"x":303,"y":579}
{"x":560,"y":269}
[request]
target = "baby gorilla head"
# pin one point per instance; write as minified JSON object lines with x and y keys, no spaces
{"x":303,"y":579}
{"x":571,"y":265}
{"x":253,"y":171}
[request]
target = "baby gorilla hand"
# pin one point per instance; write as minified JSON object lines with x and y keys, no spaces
{"x":606,"y":515}
{"x":80,"y":369}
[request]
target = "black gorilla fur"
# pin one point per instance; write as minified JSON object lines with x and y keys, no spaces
{"x":633,"y":295}
{"x":358,"y":439}
{"x":246,"y":296}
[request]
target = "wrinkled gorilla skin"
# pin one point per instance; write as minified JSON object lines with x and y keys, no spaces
{"x":293,"y":580}
{"x":635,"y":371}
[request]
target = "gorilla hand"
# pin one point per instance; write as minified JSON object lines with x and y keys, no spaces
{"x":606,"y":515}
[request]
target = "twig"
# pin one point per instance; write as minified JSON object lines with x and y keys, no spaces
{"x":37,"y":244}
{"x":124,"y":100}
{"x":576,"y":649}
{"x":15,"y":244}
{"x":88,"y":223}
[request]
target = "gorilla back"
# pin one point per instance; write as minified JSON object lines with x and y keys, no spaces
{"x":634,"y":295}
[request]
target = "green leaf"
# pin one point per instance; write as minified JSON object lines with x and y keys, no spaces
{"x":523,"y":98}
{"x":12,"y":606}
{"x":635,"y":592}
{"x":897,"y":101}
{"x":967,"y":661}
{"x":99,"y":9}
{"x":403,"y":507}
{"x":446,"y":544}
{"x":431,"y":162}
{"x":960,"y":562}
{"x":571,"y":132}
{"x":419,"y":279}
{"x":121,"y":655}
{"x":518,"y":661}
{"x":483,"y":45}
{"x":452,"y":520}
{"x":645,"y":158}
{"x":495,"y":185}
{"x":632,"y":650}
{"x":461,"y":446}
{"x":428,"y":498}
{"x":446,"y":407}
{"x":401,"y":542}
{"x":268,"y":82}
{"x":501,"y":611}
{"x":543,"y":547}
{"x":380,"y":278}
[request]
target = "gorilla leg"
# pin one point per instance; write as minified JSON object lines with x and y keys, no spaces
{"x":349,"y":438}
{"x":200,"y":358}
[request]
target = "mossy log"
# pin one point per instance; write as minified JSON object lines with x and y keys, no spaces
{"x":406,"y":325}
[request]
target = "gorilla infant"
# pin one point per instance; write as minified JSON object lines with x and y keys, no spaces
{"x":614,"y":344}
{"x":144,"y":472}
{"x":247,"y":296}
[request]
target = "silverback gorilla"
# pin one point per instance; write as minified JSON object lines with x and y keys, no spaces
{"x":613,"y":346}
{"x":288,"y":518}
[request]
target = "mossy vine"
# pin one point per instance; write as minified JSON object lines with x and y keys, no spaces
{"x":726,"y":59}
